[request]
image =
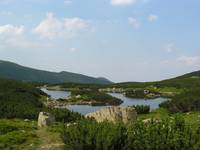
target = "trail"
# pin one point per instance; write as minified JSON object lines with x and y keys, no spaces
{"x":49,"y":140}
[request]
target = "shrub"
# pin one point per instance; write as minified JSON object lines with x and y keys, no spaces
{"x":155,"y":135}
{"x":184,"y":102}
{"x":142,"y":109}
{"x":97,"y":96}
{"x":89,"y":135}
{"x":65,"y":115}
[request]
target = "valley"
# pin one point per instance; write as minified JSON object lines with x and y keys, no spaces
{"x":168,"y":108}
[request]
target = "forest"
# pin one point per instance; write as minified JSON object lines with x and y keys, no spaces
{"x":23,"y":100}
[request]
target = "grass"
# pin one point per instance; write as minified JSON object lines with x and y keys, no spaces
{"x":192,"y":118}
{"x":19,"y":134}
{"x":24,"y":135}
{"x":50,"y":138}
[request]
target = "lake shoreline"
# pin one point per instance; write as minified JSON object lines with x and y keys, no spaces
{"x":87,"y":107}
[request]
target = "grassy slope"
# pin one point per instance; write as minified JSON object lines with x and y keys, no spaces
{"x":190,"y":80}
{"x":26,"y":136}
{"x":19,"y":100}
{"x":192,"y":118}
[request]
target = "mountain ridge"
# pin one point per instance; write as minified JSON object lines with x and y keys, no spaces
{"x":10,"y":70}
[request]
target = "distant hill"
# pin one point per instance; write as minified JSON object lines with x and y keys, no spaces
{"x":14,"y":71}
{"x":195,"y":74}
{"x":189,"y":80}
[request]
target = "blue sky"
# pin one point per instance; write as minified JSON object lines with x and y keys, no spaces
{"x":123,"y":40}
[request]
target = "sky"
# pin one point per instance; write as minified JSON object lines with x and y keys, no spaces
{"x":122,"y":40}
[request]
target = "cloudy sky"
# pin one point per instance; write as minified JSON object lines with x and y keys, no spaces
{"x":123,"y":40}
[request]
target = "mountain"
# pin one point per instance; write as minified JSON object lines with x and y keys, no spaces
{"x":14,"y":71}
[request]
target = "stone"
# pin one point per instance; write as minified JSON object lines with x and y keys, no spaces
{"x":45,"y":119}
{"x":147,"y":120}
{"x":114,"y":114}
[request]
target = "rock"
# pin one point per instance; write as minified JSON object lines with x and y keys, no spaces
{"x":114,"y":114}
{"x":147,"y":120}
{"x":188,"y":113}
{"x":45,"y":119}
{"x":78,"y":96}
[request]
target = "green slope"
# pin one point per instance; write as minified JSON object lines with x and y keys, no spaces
{"x":190,"y":80}
{"x":19,"y":100}
{"x":14,"y":71}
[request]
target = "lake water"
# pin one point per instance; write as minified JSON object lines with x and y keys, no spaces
{"x":56,"y":94}
{"x":84,"y":109}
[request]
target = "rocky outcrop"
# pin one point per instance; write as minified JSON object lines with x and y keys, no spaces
{"x":112,"y":90}
{"x":45,"y":119}
{"x":114,"y":114}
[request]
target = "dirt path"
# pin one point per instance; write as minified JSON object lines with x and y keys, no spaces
{"x":49,"y":140}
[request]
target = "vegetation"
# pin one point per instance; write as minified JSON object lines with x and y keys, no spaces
{"x":78,"y":86}
{"x":142,"y":109}
{"x":184,"y":102}
{"x":19,"y":100}
{"x":65,"y":115}
{"x":23,"y":100}
{"x":191,"y":80}
{"x":94,"y":96}
{"x":17,"y":134}
{"x":24,"y":135}
{"x":141,"y":93}
{"x":161,"y":129}
{"x":156,"y":135}
{"x":14,"y":71}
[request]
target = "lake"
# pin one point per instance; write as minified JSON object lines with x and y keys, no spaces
{"x":56,"y":94}
{"x":84,"y":109}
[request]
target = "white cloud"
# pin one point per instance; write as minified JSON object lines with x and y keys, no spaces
{"x":11,"y":30}
{"x":152,"y":18}
{"x":52,"y":27}
{"x":123,"y":2}
{"x":49,"y":27}
{"x":188,"y":60}
{"x":134,"y":22}
{"x":71,"y":24}
{"x":13,"y":37}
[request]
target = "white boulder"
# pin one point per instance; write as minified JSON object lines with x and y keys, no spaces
{"x":45,"y":119}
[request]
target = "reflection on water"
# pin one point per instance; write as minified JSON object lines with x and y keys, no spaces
{"x":153,"y":103}
{"x":84,"y":109}
{"x":56,"y":94}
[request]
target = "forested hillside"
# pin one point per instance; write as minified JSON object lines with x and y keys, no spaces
{"x":14,"y":71}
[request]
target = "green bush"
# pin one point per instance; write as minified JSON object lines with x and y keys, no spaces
{"x":19,"y":100}
{"x":88,"y":135}
{"x":142,"y":109}
{"x":4,"y":129}
{"x":155,"y":135}
{"x":184,"y":102}
{"x":65,"y":115}
{"x":94,"y":95}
